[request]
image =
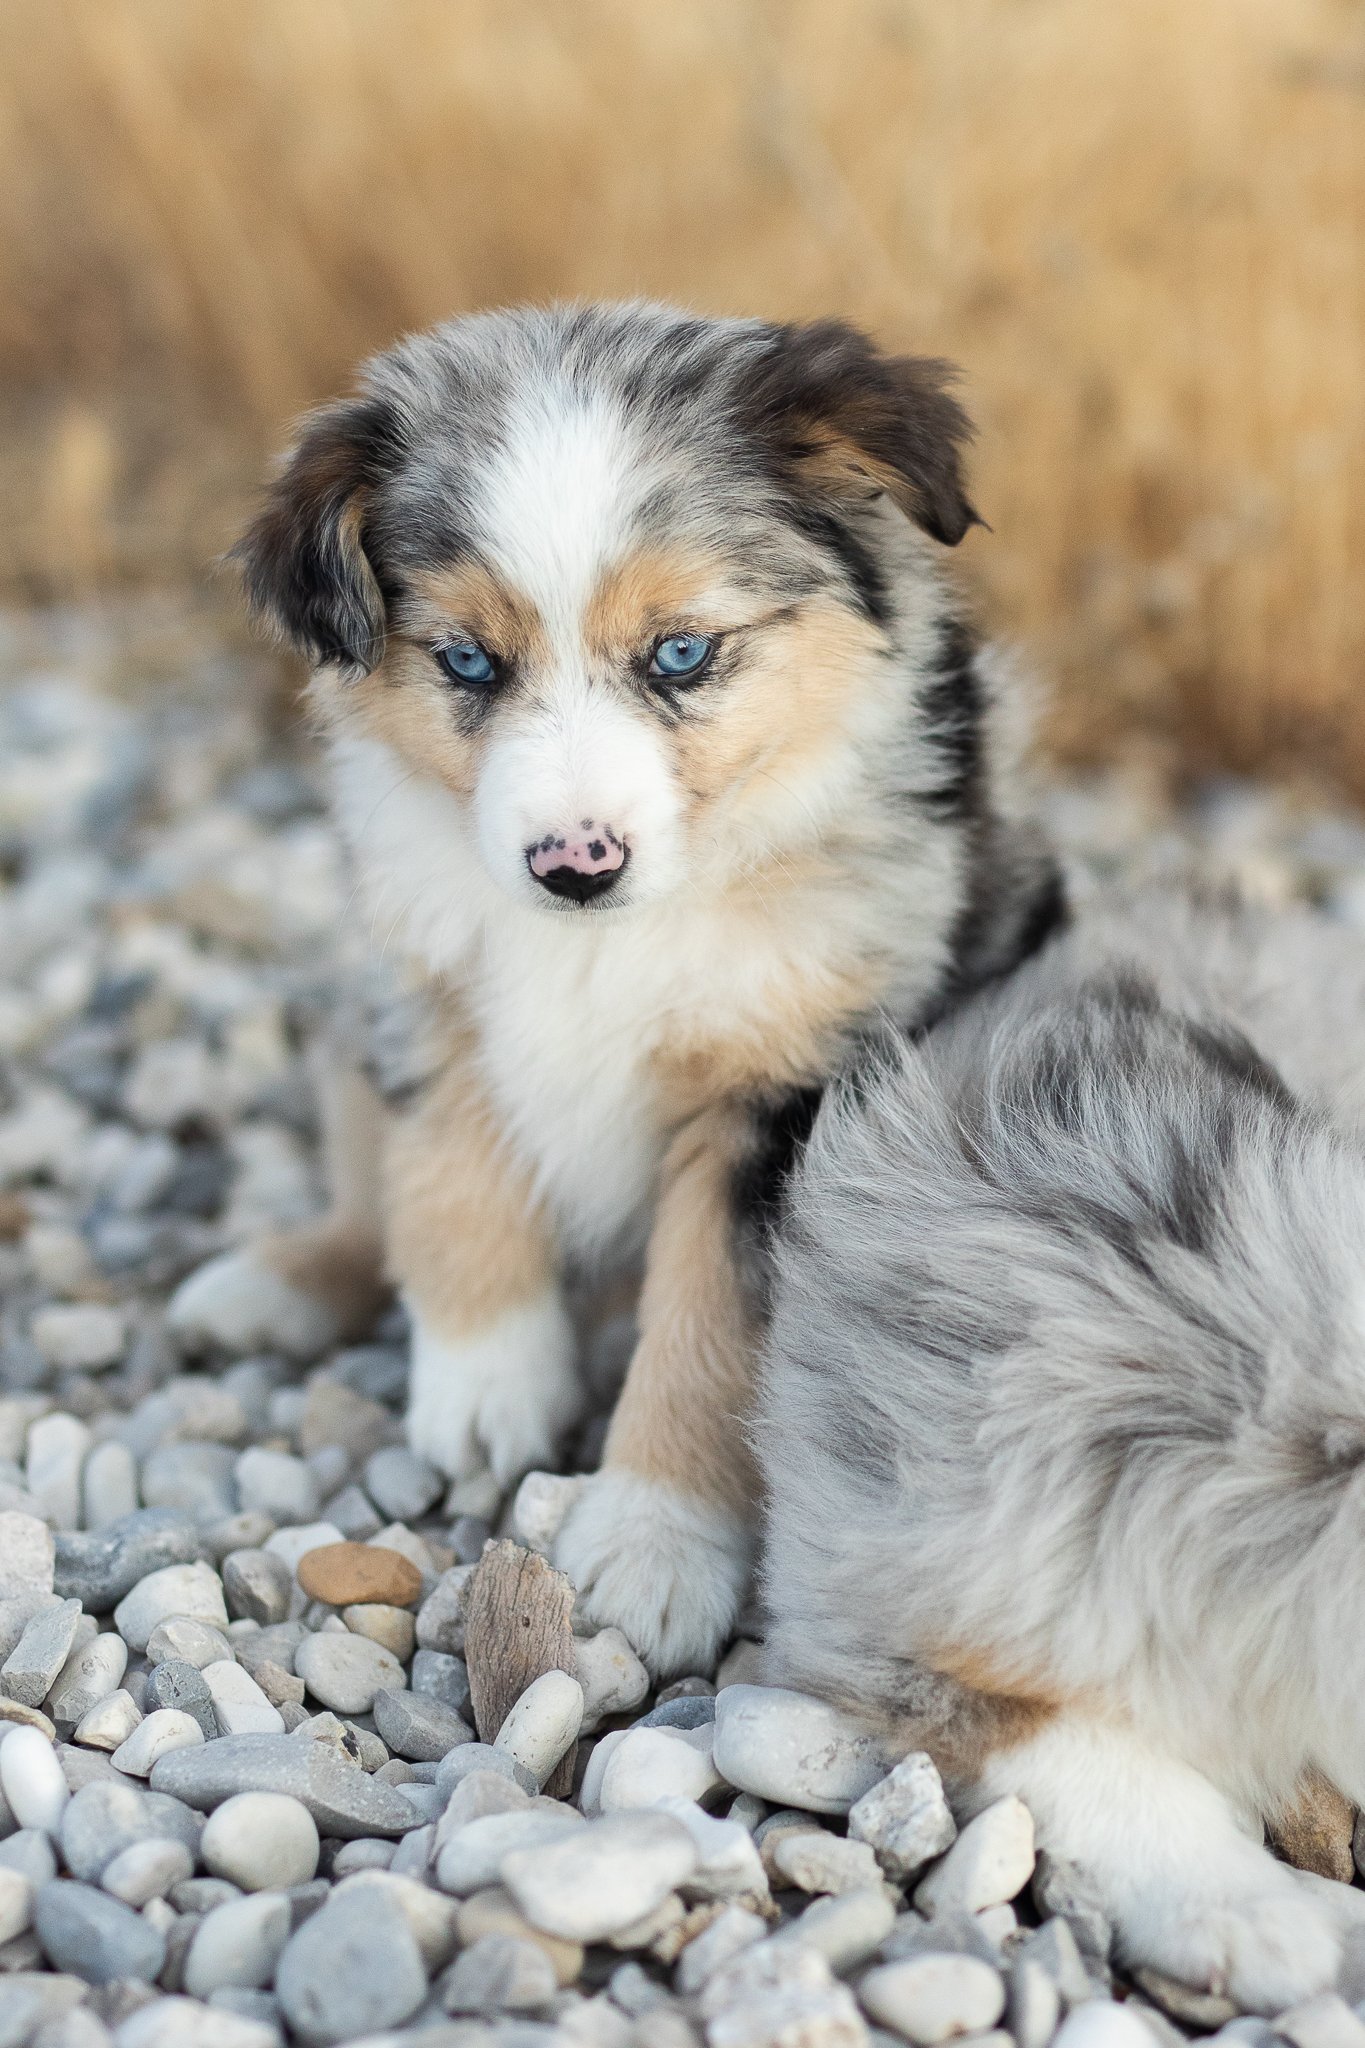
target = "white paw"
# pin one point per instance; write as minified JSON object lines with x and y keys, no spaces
{"x":504,"y":1399}
{"x":241,"y":1303}
{"x":668,"y":1571}
{"x":1266,"y":1950}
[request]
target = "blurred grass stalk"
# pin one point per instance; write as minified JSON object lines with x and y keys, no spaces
{"x":1137,"y":225}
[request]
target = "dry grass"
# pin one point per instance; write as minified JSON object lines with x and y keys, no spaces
{"x":1138,"y":225}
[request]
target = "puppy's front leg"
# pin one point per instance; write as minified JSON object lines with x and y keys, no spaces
{"x":493,"y":1380}
{"x":661,"y":1541}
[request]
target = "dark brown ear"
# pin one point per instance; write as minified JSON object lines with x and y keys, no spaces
{"x":846,"y":418}
{"x":303,"y":558}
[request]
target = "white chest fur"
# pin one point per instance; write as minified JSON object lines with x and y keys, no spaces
{"x":574,"y":1015}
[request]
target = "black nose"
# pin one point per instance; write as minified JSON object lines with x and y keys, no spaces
{"x":578,"y":887}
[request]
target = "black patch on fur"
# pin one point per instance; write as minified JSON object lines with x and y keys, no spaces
{"x":304,"y":559}
{"x":836,"y":537}
{"x":758,"y":1190}
{"x":811,"y":385}
{"x":1232,"y":1053}
{"x":952,"y":707}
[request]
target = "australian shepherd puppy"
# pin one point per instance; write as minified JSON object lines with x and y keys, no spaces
{"x":669,"y":767}
{"x":1067,"y":1360}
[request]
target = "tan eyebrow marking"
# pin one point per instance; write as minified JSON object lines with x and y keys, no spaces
{"x":491,"y":611}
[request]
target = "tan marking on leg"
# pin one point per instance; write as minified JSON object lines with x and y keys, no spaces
{"x":467,"y":1237}
{"x":337,"y":1261}
{"x":680,"y":1419}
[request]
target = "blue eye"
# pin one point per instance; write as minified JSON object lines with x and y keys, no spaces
{"x":464,"y":661}
{"x":681,"y":655}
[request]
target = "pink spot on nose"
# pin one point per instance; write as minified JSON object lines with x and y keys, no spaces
{"x":591,"y":850}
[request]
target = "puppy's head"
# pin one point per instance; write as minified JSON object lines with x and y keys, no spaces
{"x":616,"y":577}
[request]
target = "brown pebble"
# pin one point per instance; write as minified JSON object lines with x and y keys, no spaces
{"x":353,"y":1574}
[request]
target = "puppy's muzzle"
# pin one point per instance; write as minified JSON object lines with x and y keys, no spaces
{"x":580,"y":865}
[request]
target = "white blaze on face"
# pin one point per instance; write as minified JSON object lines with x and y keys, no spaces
{"x":557,"y":507}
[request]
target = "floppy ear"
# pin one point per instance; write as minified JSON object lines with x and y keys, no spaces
{"x":303,"y":558}
{"x":842,"y":417}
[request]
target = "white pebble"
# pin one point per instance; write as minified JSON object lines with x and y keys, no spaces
{"x":108,"y":1484}
{"x":658,"y":1763}
{"x":92,"y":1671}
{"x":603,"y":1878}
{"x":540,"y":1508}
{"x":472,"y":1856}
{"x":161,"y":1732}
{"x":543,"y":1724}
{"x":990,"y":1862}
{"x":146,"y":1870}
{"x":31,"y":1779}
{"x":239,"y":1705}
{"x":613,"y":1679}
{"x":191,"y":1591}
{"x":931,"y":1998}
{"x":57,"y":1445}
{"x":261,"y":1841}
{"x":345,"y":1671}
{"x":820,"y":1862}
{"x":1102,"y":2023}
{"x":728,"y":1863}
{"x":239,"y":1943}
{"x":16,"y":1903}
{"x":109,"y":1723}
{"x":793,"y":1750}
{"x":79,"y":1336}
{"x":905,"y":1819}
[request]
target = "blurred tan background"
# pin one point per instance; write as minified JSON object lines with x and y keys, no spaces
{"x":1136,"y":223}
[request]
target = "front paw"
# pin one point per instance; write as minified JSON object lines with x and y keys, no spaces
{"x":665,"y":1568}
{"x":504,"y":1399}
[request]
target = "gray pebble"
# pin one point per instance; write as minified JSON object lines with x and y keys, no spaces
{"x":343,"y":1801}
{"x":194,"y":1477}
{"x":277,"y":1484}
{"x":258,"y":1586}
{"x":440,"y":1618}
{"x":402,"y":1485}
{"x":99,"y":1567}
{"x":688,"y":1710}
{"x":421,"y":1729}
{"x":202,"y":1894}
{"x":192,"y":1592}
{"x":353,"y":1513}
{"x":1063,"y":1891}
{"x":472,"y":1757}
{"x":93,"y":1936}
{"x":30,"y":1852}
{"x":499,"y":1973}
{"x":178,"y":1684}
{"x":104,"y":1818}
{"x":274,"y":1645}
{"x":373,"y":1370}
{"x":438,"y":1677}
{"x":236,"y":1532}
{"x":353,"y":1968}
{"x":27,"y":1554}
{"x":186,"y":1641}
{"x":29,"y":1671}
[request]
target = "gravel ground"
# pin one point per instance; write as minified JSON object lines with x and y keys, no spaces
{"x":254,"y":1787}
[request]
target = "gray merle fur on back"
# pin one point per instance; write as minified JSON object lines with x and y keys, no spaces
{"x":1067,"y":1353}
